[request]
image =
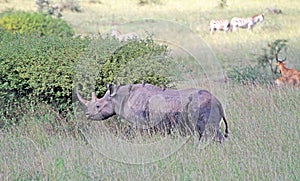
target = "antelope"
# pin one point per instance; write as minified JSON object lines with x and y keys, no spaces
{"x":284,"y":71}
{"x":288,"y":76}
{"x":293,"y":80}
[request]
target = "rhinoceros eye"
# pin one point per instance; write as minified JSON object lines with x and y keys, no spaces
{"x":97,"y":106}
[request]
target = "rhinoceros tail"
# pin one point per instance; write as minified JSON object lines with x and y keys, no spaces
{"x":223,"y":116}
{"x":226,"y":127}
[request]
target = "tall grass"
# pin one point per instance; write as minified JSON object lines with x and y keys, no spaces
{"x":262,"y":145}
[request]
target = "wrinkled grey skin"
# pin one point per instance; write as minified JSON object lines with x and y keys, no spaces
{"x":148,"y":106}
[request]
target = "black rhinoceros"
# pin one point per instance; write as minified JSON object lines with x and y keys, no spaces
{"x":146,"y":106}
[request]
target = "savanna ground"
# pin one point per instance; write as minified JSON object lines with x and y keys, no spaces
{"x":263,"y":143}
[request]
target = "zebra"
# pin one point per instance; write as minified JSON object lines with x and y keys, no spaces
{"x":246,"y":22}
{"x":219,"y":25}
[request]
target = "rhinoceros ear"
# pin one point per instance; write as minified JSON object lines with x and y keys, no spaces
{"x":112,"y":89}
{"x":107,"y":86}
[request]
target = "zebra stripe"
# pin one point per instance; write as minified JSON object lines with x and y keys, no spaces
{"x":246,"y":22}
{"x":223,"y":25}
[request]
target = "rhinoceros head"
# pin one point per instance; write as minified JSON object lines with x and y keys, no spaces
{"x":98,"y":109}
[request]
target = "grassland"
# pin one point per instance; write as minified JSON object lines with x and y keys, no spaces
{"x":264,"y":135}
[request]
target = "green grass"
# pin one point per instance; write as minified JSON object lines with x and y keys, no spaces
{"x":263,"y":143}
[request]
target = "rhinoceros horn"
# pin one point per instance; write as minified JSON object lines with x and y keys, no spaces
{"x":83,"y":101}
{"x":94,"y":97}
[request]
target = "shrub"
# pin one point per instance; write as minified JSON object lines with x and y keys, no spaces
{"x":126,"y":62}
{"x":260,"y":72}
{"x":223,"y":3}
{"x":38,"y":69}
{"x":34,"y":23}
{"x":56,"y":9}
{"x":271,"y":54}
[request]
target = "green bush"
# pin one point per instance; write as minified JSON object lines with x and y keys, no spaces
{"x":127,"y":62}
{"x":34,"y":23}
{"x":38,"y":69}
